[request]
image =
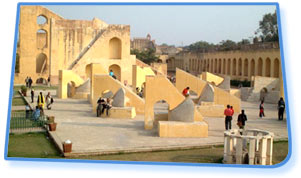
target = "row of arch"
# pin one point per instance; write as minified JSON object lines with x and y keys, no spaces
{"x":240,"y":67}
{"x":236,"y":67}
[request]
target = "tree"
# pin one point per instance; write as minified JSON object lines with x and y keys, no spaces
{"x":268,"y":28}
{"x":147,"y":56}
{"x":244,"y":42}
{"x":227,"y":45}
{"x":200,"y":46}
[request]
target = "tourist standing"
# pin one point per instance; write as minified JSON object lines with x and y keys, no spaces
{"x":185,"y":92}
{"x":241,"y":119}
{"x":49,"y":101}
{"x":41,"y":101}
{"x":261,"y":109}
{"x":228,"y":117}
{"x":29,"y":82}
{"x":32,"y":94}
{"x":26,"y":81}
{"x":281,"y":107}
{"x":231,"y":107}
{"x":27,"y":110}
{"x":48,"y":81}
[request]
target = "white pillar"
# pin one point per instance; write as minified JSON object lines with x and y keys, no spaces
{"x":269,"y":151}
{"x":252,"y":151}
{"x":239,"y":145}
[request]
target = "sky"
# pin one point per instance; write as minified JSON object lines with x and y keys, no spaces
{"x":176,"y":25}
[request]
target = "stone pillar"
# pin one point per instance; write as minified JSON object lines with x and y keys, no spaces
{"x":249,"y":69}
{"x":263,"y":151}
{"x":272,"y":74}
{"x":229,"y":150}
{"x":263,"y":67}
{"x":269,"y":151}
{"x":239,"y":146}
{"x":252,"y":151}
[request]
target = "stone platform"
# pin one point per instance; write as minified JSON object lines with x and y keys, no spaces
{"x":94,"y":136}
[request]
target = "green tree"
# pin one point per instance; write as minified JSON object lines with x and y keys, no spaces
{"x":147,"y":56}
{"x":200,"y":45}
{"x":227,"y":45}
{"x":268,"y":28}
{"x":244,"y":42}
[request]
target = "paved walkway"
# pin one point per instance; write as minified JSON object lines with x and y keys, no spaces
{"x":92,"y":135}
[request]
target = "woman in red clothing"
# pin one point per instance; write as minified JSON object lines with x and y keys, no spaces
{"x":261,"y":110}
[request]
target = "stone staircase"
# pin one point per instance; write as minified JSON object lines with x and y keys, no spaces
{"x":84,"y":51}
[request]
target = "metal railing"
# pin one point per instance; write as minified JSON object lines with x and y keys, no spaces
{"x":25,"y":122}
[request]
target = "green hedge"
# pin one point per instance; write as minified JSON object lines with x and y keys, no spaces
{"x":238,"y":83}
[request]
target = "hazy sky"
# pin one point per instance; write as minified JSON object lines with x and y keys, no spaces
{"x":176,"y":24}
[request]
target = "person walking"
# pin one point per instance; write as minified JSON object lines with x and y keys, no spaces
{"x":241,"y":119}
{"x":281,"y":107}
{"x":41,"y":101}
{"x":32,"y":94}
{"x":228,"y":117}
{"x":185,"y":92}
{"x":49,"y":101}
{"x":261,"y":110}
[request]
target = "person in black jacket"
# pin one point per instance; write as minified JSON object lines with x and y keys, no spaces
{"x":281,"y":107}
{"x":241,"y":120}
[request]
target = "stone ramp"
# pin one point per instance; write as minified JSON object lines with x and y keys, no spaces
{"x":114,"y":85}
{"x":184,"y":79}
{"x":159,"y":88}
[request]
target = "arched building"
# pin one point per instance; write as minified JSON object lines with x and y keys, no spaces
{"x":49,"y":43}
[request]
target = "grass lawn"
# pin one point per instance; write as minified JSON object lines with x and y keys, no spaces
{"x":18,"y":101}
{"x":37,"y":87}
{"x":36,"y":145}
{"x":31,"y":145}
{"x":203,"y":155}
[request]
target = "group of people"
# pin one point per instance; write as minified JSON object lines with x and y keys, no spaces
{"x":242,"y":117}
{"x":228,"y":112}
{"x":281,"y":108}
{"x":41,"y":101}
{"x":28,"y":82}
{"x":102,"y":105}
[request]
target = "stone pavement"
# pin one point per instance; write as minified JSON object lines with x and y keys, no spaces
{"x":91,"y":135}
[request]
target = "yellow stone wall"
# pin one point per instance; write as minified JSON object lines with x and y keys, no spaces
{"x":174,"y":129}
{"x":184,"y":79}
{"x":211,"y":78}
{"x":139,"y":75}
{"x":66,"y":76}
{"x":66,"y":41}
{"x":159,"y":88}
{"x":101,"y":83}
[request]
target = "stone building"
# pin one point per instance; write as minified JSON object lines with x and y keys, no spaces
{"x":238,"y":64}
{"x":49,"y":43}
{"x":143,"y":43}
